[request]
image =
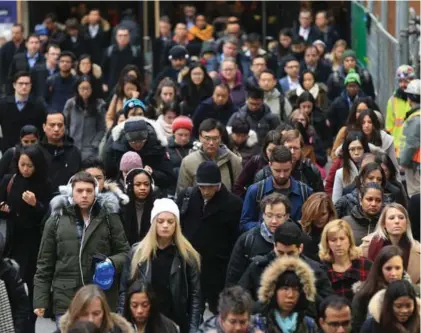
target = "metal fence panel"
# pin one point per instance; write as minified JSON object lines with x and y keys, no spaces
{"x":382,"y":61}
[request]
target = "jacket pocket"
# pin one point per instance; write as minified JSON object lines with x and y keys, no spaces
{"x":63,"y":292}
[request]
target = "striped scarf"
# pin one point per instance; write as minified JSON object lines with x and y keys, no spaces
{"x":6,"y":318}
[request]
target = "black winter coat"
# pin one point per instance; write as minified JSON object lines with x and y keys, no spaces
{"x":63,"y":161}
{"x":246,"y":177}
{"x":18,"y":298}
{"x":261,"y":121}
{"x":219,"y":219}
{"x":12,"y":120}
{"x":251,"y":278}
{"x":153,"y":154}
{"x":176,"y":152}
{"x":78,"y":48}
{"x":184,"y":288}
{"x":208,"y":109}
{"x":250,"y":245}
{"x":322,"y":127}
{"x":8,"y":51}
{"x":192,"y":96}
{"x":39,"y":76}
{"x":8,"y":161}
{"x":95,"y":46}
{"x":130,"y":223}
{"x":323,"y":71}
{"x":305,"y":171}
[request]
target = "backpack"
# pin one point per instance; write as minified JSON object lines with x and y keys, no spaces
{"x":186,"y":201}
{"x":135,"y":50}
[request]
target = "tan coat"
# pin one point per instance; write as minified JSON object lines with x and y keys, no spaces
{"x":115,"y":106}
{"x":413,"y":268}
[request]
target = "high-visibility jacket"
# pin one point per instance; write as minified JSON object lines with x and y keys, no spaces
{"x":395,"y":116}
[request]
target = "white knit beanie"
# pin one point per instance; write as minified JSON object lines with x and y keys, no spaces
{"x":164,"y":205}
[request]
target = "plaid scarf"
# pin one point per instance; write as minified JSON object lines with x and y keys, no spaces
{"x":265,"y":232}
{"x":6,"y":318}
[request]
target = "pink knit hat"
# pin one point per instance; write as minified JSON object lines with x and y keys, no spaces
{"x":182,"y":122}
{"x":130,"y":160}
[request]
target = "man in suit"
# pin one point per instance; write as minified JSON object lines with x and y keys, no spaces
{"x":25,"y":61}
{"x":313,"y":63}
{"x":96,"y":35}
{"x":329,"y":34}
{"x":8,"y":50}
{"x":305,"y":28}
{"x":19,"y":109}
{"x":41,"y":72}
{"x":290,"y":81}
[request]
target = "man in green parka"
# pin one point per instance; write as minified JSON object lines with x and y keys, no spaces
{"x":82,"y":232}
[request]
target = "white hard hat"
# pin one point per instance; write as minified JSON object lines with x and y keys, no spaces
{"x":414,"y":87}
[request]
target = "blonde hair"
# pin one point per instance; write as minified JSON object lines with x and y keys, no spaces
{"x":338,"y":43}
{"x":81,"y":301}
{"x":146,"y":249}
{"x":333,"y":227}
{"x":299,"y":112}
{"x":312,"y":209}
{"x":380,"y":230}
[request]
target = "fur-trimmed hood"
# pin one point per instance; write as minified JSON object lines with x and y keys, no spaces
{"x":252,"y":137}
{"x":112,"y":187}
{"x":278,"y":267}
{"x":376,"y":304}
{"x":118,"y":130}
{"x":108,"y":200}
{"x":119,"y":321}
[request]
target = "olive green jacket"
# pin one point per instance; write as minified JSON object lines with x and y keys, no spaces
{"x":63,"y":265}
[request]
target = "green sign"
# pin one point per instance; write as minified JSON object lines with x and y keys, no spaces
{"x":359,"y":32}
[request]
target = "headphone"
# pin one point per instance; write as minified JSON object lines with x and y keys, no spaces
{"x":70,"y":188}
{"x":126,"y":186}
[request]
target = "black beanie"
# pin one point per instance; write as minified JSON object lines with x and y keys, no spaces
{"x":208,"y":174}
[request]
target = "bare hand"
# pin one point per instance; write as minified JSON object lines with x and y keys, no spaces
{"x":135,"y":94}
{"x":4,"y":207}
{"x":29,"y":198}
{"x":39,"y":312}
{"x":148,"y":169}
{"x":105,"y":88}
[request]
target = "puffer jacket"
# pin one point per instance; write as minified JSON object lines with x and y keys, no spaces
{"x":267,"y":290}
{"x":361,"y":224}
{"x":177,"y":153}
{"x":184,"y":287}
{"x":261,"y":121}
{"x":121,"y":325}
{"x":63,"y":264}
{"x":224,"y":157}
{"x":372,"y":324}
{"x":152,"y":154}
{"x":248,"y":148}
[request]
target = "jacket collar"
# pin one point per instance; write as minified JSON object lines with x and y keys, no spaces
{"x":294,"y":186}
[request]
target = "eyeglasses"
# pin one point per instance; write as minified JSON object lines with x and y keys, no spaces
{"x":337,"y":324}
{"x":211,"y":138}
{"x":355,"y":149}
{"x":133,"y":142}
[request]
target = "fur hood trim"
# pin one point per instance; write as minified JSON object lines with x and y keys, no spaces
{"x":278,"y":267}
{"x":252,"y":139}
{"x":118,"y":321}
{"x":356,"y":287}
{"x":104,"y":23}
{"x":376,"y":304}
{"x":117,"y":131}
{"x":108,"y":200}
{"x":113,"y":188}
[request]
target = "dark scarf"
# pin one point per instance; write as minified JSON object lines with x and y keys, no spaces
{"x":378,"y":243}
{"x":399,"y":93}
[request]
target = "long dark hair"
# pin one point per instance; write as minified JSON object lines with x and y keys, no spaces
{"x":301,"y":78}
{"x":352,"y":136}
{"x":123,"y":81}
{"x":37,"y":158}
{"x":305,"y":97}
{"x":92,"y":99}
{"x":375,"y":279}
{"x":272,"y":136}
{"x":366,"y":170}
{"x":375,"y":137}
{"x":351,"y":122}
{"x":207,"y":82}
{"x":388,"y":321}
{"x":383,"y":158}
{"x":83,"y":57}
{"x":154,"y":322}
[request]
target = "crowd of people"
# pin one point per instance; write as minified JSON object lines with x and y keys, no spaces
{"x":262,"y":183}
